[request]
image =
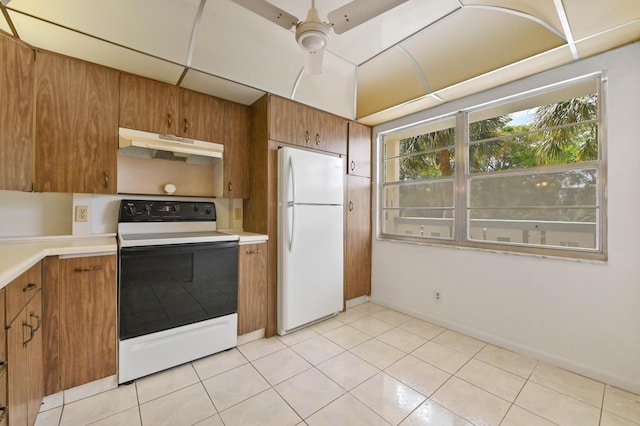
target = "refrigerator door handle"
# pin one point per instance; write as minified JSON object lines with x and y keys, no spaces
{"x":291,"y":205}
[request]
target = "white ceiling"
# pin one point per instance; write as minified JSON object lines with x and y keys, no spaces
{"x":415,"y":56}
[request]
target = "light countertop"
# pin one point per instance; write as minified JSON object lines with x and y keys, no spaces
{"x":19,"y":254}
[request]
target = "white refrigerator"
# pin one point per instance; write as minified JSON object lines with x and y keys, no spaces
{"x":310,"y":237}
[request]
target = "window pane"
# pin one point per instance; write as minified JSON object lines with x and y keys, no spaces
{"x":422,"y":210}
{"x":420,"y":166}
{"x":532,"y":148}
{"x":558,"y":209}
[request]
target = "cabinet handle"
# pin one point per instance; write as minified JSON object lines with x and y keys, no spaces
{"x":4,"y":413}
{"x":317,"y":138}
{"x":29,"y":287}
{"x":350,"y":206}
{"x":3,"y":368}
{"x":169,"y":120}
{"x":106,"y":179}
{"x":89,"y":269}
{"x":229,"y":187}
{"x":186,"y":125}
{"x":353,"y":165}
{"x":254,"y":251}
{"x":25,"y":324}
{"x":33,"y":315}
{"x":307,"y":137}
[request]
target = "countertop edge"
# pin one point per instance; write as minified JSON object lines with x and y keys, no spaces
{"x":18,"y":255}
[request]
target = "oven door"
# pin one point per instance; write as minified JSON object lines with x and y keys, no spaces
{"x":167,"y":286}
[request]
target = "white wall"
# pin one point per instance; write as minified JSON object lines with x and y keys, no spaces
{"x":583,"y":316}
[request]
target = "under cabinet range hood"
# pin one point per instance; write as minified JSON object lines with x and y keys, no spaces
{"x":136,"y":143}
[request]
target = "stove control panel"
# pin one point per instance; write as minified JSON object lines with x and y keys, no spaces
{"x":166,"y":211}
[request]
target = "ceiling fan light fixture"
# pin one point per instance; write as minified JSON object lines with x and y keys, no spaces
{"x":312,"y":36}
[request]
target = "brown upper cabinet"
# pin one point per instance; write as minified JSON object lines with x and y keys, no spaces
{"x":236,"y":137}
{"x":148,"y":105}
{"x":76,"y":125}
{"x":298,"y":124}
{"x":359,"y":156}
{"x":16,"y":115}
{"x":201,"y":117}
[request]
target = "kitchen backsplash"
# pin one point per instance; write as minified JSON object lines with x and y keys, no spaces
{"x":33,"y":214}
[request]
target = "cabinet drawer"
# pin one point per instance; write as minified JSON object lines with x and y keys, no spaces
{"x":21,"y":290}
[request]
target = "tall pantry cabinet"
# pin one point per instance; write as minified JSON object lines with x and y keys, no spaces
{"x":278,"y":122}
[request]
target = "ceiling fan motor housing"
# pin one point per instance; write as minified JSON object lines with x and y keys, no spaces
{"x":312,"y":34}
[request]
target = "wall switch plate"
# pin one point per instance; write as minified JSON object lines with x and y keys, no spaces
{"x":237,"y":213}
{"x":82,"y":213}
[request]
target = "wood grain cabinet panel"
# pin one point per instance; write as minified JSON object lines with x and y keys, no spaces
{"x":22,"y":290}
{"x":16,"y":115}
{"x":76,"y":125}
{"x":25,"y":371}
{"x":51,"y":324}
{"x":357,"y":259}
{"x":87,"y":330}
{"x":298,"y":124}
{"x":201,"y":117}
{"x":252,"y":288}
{"x":148,"y":105}
{"x":236,"y":136}
{"x":359,"y":150}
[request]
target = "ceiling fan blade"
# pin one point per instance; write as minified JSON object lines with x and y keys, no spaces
{"x":270,"y":12}
{"x":313,"y":62}
{"x":359,"y":11}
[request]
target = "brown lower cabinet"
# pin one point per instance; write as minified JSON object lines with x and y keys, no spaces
{"x":252,"y":288}
{"x":24,"y":374}
{"x":80,"y":336}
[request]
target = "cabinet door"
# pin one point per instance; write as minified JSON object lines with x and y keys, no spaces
{"x":35,"y":392}
{"x":328,"y":132}
{"x":50,"y":324}
{"x":24,"y":355}
{"x":16,"y":115}
{"x":201,"y":117}
{"x":87,"y":329}
{"x":287,"y":122}
{"x":21,"y":290}
{"x":3,"y":363}
{"x":76,"y":126}
{"x":359,"y":155}
{"x":357,"y":267}
{"x":252,"y":288}
{"x":236,"y":137}
{"x":148,"y":105}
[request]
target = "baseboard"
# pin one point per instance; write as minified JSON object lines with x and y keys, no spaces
{"x":357,"y":301}
{"x":531,"y":352}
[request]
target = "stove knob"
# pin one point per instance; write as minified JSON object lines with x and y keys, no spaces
{"x":196,"y":208}
{"x":147,"y":208}
{"x":207,"y":211}
{"x":132,"y":210}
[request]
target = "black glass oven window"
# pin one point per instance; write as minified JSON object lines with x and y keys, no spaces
{"x":162,"y":287}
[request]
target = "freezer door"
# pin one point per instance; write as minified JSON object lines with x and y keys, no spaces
{"x":310,"y":269}
{"x":310,"y":178}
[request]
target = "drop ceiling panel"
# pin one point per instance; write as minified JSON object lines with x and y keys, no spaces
{"x":380,"y":33}
{"x":237,"y":44}
{"x":216,"y":86}
{"x":513,"y":72}
{"x":542,"y":9}
{"x":588,"y":17}
{"x":411,"y":107}
{"x":490,"y":40}
{"x":388,"y":79}
{"x":608,"y":40}
{"x":57,"y":39}
{"x":333,"y":90}
{"x":159,"y":27}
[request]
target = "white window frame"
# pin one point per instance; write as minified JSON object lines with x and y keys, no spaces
{"x":462,"y":177}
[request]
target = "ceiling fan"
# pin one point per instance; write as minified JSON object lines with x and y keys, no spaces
{"x":313,"y":34}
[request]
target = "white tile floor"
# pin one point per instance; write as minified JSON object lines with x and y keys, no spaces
{"x":368,"y":366}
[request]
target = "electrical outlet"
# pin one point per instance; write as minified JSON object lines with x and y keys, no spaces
{"x":437,"y":296}
{"x":237,"y":213}
{"x":82,"y":213}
